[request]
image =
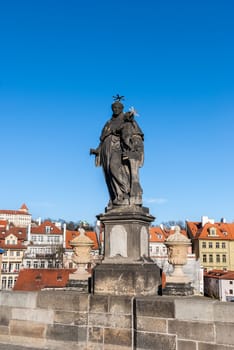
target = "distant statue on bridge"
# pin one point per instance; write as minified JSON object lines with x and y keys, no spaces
{"x":121,"y":153}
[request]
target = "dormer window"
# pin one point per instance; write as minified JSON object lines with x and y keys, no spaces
{"x":47,"y":229}
{"x":212,"y":231}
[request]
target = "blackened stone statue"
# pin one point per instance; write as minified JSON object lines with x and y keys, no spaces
{"x":121,"y":153}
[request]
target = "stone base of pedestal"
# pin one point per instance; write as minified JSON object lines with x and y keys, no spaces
{"x":82,"y":286}
{"x":134,"y":279}
{"x":178,"y":289}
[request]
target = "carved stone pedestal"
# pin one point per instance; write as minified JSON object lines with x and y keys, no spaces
{"x":126,"y":268}
{"x":126,"y":279}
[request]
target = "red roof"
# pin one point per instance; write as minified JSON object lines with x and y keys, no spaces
{"x":224,"y":231}
{"x":14,"y":212}
{"x":220,"y":274}
{"x":24,"y":207}
{"x":19,"y":232}
{"x":37,"y":279}
{"x":158,"y":234}
{"x":3,"y":223}
{"x":70,"y":235}
{"x":41,"y":229}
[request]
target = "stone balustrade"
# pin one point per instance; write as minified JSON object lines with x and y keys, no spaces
{"x":57,"y":319}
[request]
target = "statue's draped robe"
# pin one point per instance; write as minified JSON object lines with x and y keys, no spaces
{"x":117,"y":168}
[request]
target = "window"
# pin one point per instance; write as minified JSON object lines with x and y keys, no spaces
{"x":18,"y":253}
{"x":218,"y":258}
{"x":212,"y":231}
{"x":210,"y":245}
{"x":11,"y":253}
{"x":230,"y":282}
{"x":210,"y":258}
{"x":217,"y":245}
{"x":42,"y":264}
{"x":10,"y":282}
{"x":35,"y":265}
{"x":4,"y":267}
{"x":17,"y":266}
{"x":203,"y":244}
{"x":28,"y":264}
{"x":223,"y":245}
{"x":204,"y":258}
{"x":47,"y":229}
{"x":224,"y":258}
{"x":230,"y":291}
{"x":4,"y":282}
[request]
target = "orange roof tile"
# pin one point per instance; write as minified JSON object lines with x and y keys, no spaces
{"x":3,"y":223}
{"x":224,"y":231}
{"x":24,"y":207}
{"x":157,"y":234}
{"x":37,"y":279}
{"x":19,"y":232}
{"x":219,"y":274}
{"x":41,"y":229}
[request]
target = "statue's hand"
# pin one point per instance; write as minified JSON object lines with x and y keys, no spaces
{"x":93,"y":151}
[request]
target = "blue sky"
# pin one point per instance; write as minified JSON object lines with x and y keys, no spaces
{"x":60,"y":64}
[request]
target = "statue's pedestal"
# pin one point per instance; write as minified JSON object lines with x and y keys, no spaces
{"x":126,"y":279}
{"x":126,"y":268}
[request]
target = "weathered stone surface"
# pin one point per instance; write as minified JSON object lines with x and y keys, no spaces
{"x":98,"y":303}
{"x":155,"y":307}
{"x":62,"y":332}
{"x":183,"y":309}
{"x":121,"y":337}
{"x":75,"y":318}
{"x":224,"y":333}
{"x":116,"y":347}
{"x":35,"y":315}
{"x":223,"y":312}
{"x":150,"y":341}
{"x":96,"y":335}
{"x":127,"y":279}
{"x":110,"y":320}
{"x":18,"y":299}
{"x":186,"y":345}
{"x":178,"y":289}
{"x":4,"y":330}
{"x":203,"y":331}
{"x":5,"y":315}
{"x":126,"y":235}
{"x":120,"y":305}
{"x":63,"y":300}
{"x":151,"y":324}
{"x":16,"y":347}
{"x":205,"y":346}
{"x":27,"y":329}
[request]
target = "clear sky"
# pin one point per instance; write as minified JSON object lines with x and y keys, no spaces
{"x":62,"y":61}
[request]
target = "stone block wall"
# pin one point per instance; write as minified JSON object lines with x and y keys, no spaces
{"x":71,"y":320}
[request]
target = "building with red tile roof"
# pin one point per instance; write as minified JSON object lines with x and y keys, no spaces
{"x":20,"y":217}
{"x":213,"y":243}
{"x":13,"y":242}
{"x":45,"y":246}
{"x":219,"y":284}
{"x":38,"y":279}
